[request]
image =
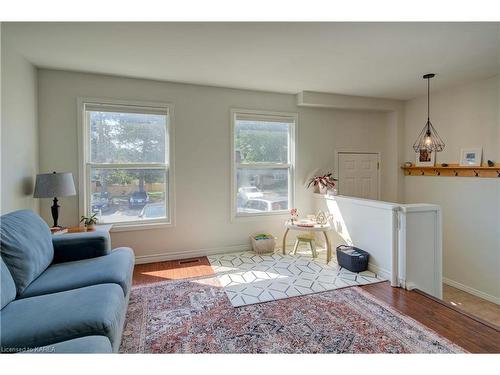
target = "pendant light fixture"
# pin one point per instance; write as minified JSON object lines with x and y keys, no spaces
{"x":428,"y":139}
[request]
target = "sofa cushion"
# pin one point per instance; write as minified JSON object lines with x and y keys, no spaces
{"x":26,"y":246}
{"x":8,"y":288}
{"x":116,"y":267}
{"x":87,"y":344}
{"x":51,"y":318}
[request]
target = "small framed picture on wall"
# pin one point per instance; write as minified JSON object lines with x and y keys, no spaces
{"x":425,"y":158}
{"x":471,"y":157}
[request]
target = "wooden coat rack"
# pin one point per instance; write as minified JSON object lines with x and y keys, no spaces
{"x":454,"y":170}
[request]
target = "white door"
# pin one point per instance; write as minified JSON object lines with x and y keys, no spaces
{"x":358,"y":175}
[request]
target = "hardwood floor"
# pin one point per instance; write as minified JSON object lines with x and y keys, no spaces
{"x":171,"y":270}
{"x":466,"y":332}
{"x":485,"y":310}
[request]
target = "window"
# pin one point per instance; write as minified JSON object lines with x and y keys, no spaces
{"x":126,"y":166}
{"x":263,"y":161}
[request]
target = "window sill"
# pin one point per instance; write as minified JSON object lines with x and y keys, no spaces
{"x":120,"y":227}
{"x":256,"y":217}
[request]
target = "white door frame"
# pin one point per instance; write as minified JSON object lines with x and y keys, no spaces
{"x":348,"y":151}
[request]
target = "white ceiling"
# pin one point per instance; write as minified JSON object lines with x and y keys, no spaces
{"x":368,"y":59}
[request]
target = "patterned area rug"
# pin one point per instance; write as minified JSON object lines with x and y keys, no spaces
{"x":248,"y":278}
{"x":196,"y":317}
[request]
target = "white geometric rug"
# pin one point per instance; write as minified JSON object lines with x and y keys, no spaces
{"x":249,"y":278}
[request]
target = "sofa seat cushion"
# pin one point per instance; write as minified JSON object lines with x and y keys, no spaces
{"x":87,"y":344}
{"x":8,"y":288}
{"x":117,"y":267}
{"x":26,"y":246}
{"x":51,"y":318}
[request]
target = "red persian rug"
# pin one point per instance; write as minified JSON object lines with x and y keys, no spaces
{"x":196,"y":316}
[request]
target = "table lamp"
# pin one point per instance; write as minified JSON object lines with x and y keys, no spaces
{"x":53,"y":185}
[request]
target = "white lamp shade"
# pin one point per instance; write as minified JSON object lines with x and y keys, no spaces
{"x":51,"y":185}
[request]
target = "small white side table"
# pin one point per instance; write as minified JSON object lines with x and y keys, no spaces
{"x":316,"y":228}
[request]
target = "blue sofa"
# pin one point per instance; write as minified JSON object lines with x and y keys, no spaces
{"x":60,"y":294}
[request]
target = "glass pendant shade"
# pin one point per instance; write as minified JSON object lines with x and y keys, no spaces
{"x":428,"y":139}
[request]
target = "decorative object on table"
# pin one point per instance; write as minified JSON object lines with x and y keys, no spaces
{"x":428,"y":139}
{"x":425,"y":159}
{"x":294,"y":214}
{"x":311,"y":217}
{"x":263,"y":243}
{"x":491,"y":163}
{"x":307,"y":238}
{"x":408,"y":164}
{"x":323,"y":218}
{"x":322,"y":183}
{"x":444,"y":165}
{"x":352,"y":258}
{"x":89,"y":222}
{"x":53,"y":185}
{"x":471,"y":157}
{"x":305,"y":223}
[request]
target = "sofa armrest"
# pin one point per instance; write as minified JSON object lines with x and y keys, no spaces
{"x":77,"y":246}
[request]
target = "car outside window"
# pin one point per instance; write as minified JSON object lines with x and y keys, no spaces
{"x":263,"y":162}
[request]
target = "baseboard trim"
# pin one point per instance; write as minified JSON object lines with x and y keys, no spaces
{"x":470,"y":290}
{"x":184,"y":254}
{"x":379,"y":271}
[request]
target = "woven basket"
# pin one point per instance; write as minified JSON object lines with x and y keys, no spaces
{"x":352,"y":258}
{"x":263,"y":246}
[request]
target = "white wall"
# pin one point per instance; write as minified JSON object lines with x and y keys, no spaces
{"x":202,"y":153}
{"x":323,"y":132}
{"x":19,"y":130}
{"x":388,"y":142}
{"x":367,"y":224}
{"x":465,"y":116}
{"x":404,"y":241}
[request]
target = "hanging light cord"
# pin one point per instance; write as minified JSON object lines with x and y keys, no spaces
{"x":428,"y":98}
{"x":428,"y":139}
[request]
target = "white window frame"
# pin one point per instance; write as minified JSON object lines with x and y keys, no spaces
{"x":85,"y":163}
{"x":289,"y":117}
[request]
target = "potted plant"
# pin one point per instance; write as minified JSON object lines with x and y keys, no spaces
{"x":89,"y":222}
{"x":322,"y":183}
